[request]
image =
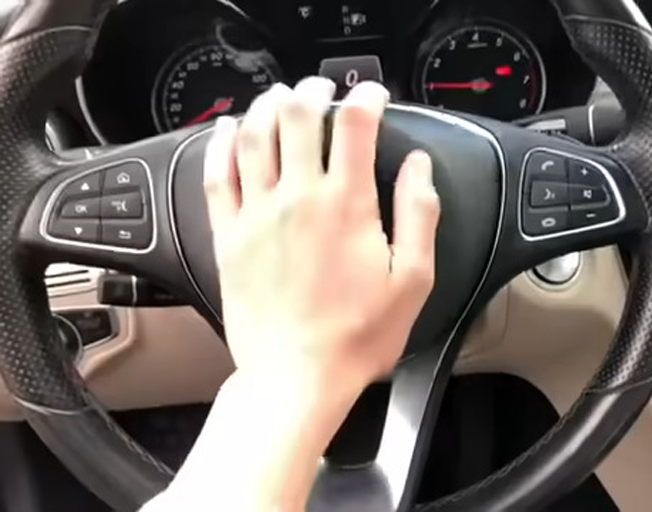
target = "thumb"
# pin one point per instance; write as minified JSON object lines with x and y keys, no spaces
{"x":416,"y":217}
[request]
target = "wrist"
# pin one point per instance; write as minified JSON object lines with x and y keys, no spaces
{"x":303,"y":379}
{"x":300,"y":409}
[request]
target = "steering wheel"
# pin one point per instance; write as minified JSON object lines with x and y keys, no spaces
{"x":511,"y":198}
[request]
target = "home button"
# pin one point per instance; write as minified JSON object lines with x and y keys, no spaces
{"x":128,"y":176}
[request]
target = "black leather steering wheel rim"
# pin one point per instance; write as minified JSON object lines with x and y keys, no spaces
{"x":47,"y":45}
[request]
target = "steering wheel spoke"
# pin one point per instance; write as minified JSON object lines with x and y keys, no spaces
{"x":110,"y":211}
{"x":561,"y":197}
{"x":390,"y":482}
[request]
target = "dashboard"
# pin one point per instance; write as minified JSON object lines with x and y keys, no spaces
{"x":160,"y":65}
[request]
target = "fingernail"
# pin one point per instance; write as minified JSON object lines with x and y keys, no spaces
{"x":421,"y":170}
{"x":316,"y":90}
{"x":279,"y":87}
{"x":313,"y":83}
{"x":364,"y":91}
{"x":224,"y":125}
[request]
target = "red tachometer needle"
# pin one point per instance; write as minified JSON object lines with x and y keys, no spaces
{"x":219,"y":108}
{"x":475,"y":86}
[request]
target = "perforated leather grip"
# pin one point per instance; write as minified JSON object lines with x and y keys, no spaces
{"x":621,"y":52}
{"x":40,"y":54}
{"x":30,"y":357}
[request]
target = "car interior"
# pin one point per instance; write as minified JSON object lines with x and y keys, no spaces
{"x":104,"y":391}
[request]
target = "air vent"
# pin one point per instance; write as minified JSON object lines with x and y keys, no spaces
{"x":66,"y":276}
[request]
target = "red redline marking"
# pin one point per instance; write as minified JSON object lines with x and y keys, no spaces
{"x":476,"y":86}
{"x":504,"y":70}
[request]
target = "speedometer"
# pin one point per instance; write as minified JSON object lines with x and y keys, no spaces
{"x":485,"y":70}
{"x":207,"y":80}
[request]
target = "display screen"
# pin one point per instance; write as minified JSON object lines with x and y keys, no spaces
{"x":326,"y":19}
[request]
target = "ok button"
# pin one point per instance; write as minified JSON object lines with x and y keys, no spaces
{"x":548,"y":193}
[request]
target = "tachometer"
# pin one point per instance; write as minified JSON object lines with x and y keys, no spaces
{"x":206,"y":80}
{"x":485,"y":70}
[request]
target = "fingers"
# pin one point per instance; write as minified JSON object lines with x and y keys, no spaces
{"x":355,"y":131}
{"x":220,"y":173}
{"x":416,"y":217}
{"x":257,"y":155}
{"x":301,"y":130}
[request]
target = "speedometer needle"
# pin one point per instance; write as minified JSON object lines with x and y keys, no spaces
{"x":219,"y":108}
{"x":475,"y":86}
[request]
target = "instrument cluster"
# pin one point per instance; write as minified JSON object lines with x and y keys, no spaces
{"x":161,"y":65}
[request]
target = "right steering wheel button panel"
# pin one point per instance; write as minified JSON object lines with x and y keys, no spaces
{"x":563,"y":193}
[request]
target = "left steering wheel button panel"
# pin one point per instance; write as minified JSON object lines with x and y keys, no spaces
{"x":110,"y":207}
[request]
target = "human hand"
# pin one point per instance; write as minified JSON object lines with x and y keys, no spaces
{"x":308,"y":280}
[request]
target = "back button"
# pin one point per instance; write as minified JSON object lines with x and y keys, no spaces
{"x":128,"y":234}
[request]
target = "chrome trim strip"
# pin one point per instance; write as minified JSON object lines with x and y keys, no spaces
{"x":49,"y":411}
{"x":52,"y":139}
{"x":86,"y":112}
{"x":43,"y":231}
{"x":591,"y":120}
{"x":622,"y":211}
{"x":173,"y":220}
{"x":134,"y":291}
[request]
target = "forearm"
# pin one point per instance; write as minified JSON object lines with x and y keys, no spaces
{"x":261,"y":445}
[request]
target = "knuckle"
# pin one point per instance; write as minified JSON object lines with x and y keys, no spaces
{"x":249,"y":137}
{"x":211,"y":187}
{"x":427,"y":202}
{"x":420,"y":275}
{"x":297,"y":110}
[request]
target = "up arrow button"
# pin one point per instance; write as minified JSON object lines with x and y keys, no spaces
{"x":88,"y":185}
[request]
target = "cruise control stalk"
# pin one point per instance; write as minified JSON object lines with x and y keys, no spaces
{"x":114,"y":289}
{"x":597,"y":124}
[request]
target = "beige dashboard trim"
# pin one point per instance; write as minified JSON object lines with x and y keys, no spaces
{"x":167,"y":356}
{"x":552,"y":337}
{"x":555,"y":339}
